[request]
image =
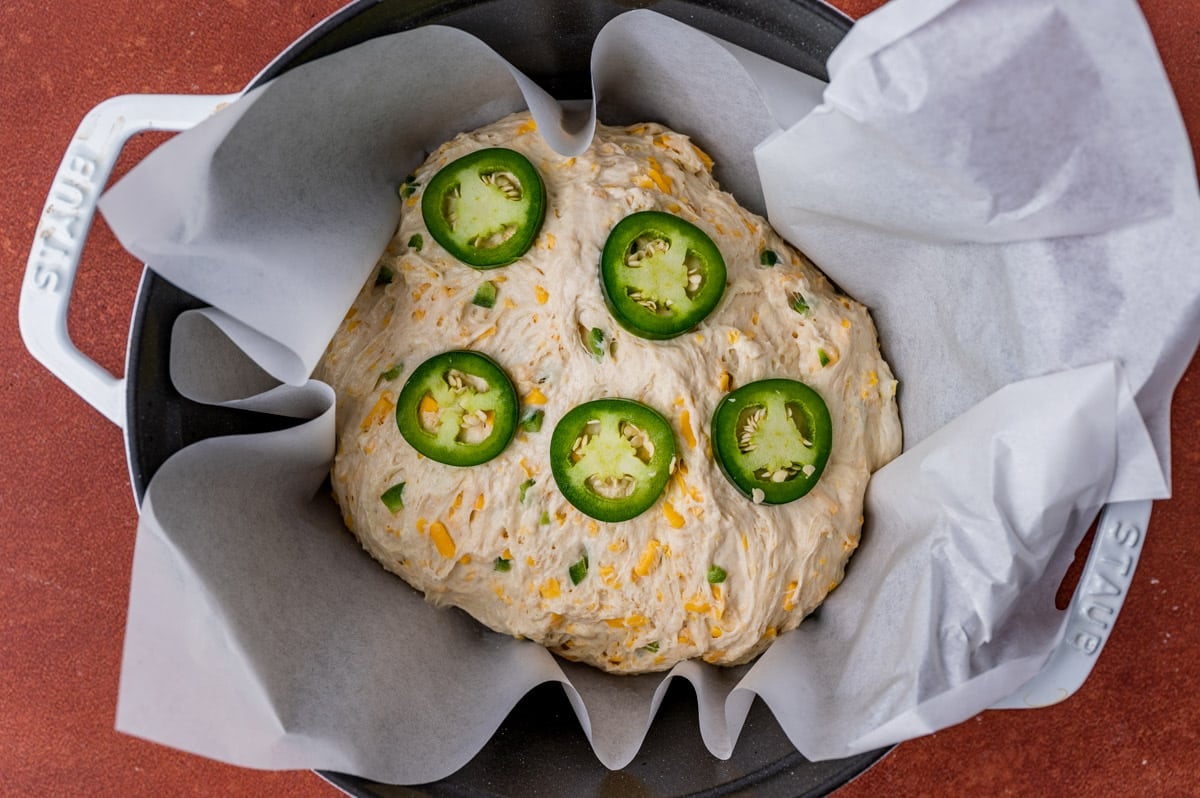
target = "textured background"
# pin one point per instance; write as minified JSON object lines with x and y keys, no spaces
{"x":67,"y":516}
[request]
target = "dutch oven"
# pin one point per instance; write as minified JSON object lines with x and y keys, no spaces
{"x":540,"y":747}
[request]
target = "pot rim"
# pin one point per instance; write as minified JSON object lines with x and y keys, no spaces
{"x":156,"y":297}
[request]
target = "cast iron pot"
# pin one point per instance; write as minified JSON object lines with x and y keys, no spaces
{"x":540,"y":748}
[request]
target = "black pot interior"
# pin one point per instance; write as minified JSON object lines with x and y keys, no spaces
{"x":539,"y":749}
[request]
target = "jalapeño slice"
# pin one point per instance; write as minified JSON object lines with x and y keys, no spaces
{"x":485,"y":208}
{"x":661,"y":275}
{"x":458,"y":408}
{"x":612,"y":458}
{"x":772,"y":439}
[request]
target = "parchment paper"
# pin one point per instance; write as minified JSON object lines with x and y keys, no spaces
{"x":1008,"y":186}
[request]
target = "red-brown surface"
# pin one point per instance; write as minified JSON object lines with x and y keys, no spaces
{"x":67,"y":517}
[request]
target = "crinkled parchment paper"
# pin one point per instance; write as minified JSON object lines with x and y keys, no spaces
{"x":1006,"y":184}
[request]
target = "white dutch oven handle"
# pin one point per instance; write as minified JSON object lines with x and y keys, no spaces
{"x":64,"y":225}
{"x":1103,"y":586}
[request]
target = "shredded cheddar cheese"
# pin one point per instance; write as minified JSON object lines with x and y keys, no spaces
{"x":685,"y":424}
{"x":789,"y":600}
{"x":441,"y":539}
{"x":648,"y":558}
{"x":383,"y":409}
{"x":662,"y":181}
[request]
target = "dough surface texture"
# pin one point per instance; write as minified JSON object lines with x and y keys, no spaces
{"x":646,"y":601}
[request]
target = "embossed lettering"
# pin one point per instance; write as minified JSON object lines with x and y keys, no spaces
{"x":82,"y":165}
{"x":1124,"y":565}
{"x":1087,"y":643}
{"x":60,"y":212}
{"x":1092,"y":610}
{"x":51,"y":245}
{"x":45,"y":277}
{"x":1127,"y":534}
{"x":59,"y":240}
{"x":69,"y":218}
{"x":1107,"y":586}
{"x":68,"y":193}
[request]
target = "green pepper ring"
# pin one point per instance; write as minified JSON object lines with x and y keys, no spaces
{"x":487,"y":206}
{"x":669,"y":282}
{"x":776,"y":442}
{"x":609,"y":455}
{"x":443,"y":444}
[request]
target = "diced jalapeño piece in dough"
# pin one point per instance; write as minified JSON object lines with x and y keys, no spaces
{"x":661,"y":275}
{"x":485,"y":208}
{"x":532,"y":420}
{"x":611,"y":458}
{"x":797,"y":302}
{"x":578,"y":569}
{"x":485,"y":295}
{"x":595,"y":343}
{"x":393,"y":498}
{"x":772,"y":436}
{"x":525,"y":486}
{"x":458,"y":408}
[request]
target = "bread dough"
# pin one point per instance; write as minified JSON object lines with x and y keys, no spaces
{"x":646,"y":602}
